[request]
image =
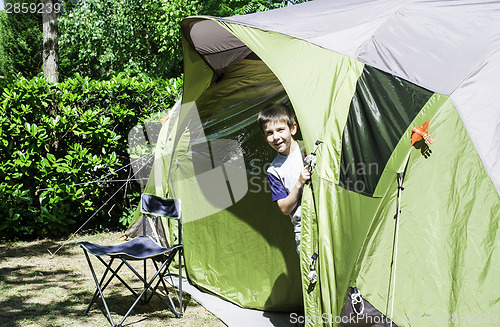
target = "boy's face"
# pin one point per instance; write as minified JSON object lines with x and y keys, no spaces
{"x":279,"y":136}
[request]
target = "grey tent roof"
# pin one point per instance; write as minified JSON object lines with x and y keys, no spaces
{"x":450,"y":46}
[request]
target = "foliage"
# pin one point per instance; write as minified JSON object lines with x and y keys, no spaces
{"x":56,"y":141}
{"x":97,"y":36}
{"x":20,"y":43}
{"x":168,"y":32}
{"x":59,"y":144}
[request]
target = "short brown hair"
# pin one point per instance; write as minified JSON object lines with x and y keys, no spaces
{"x":276,"y":112}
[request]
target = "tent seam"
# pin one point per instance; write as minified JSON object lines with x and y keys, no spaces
{"x":363,"y":45}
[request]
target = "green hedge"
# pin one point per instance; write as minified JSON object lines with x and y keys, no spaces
{"x":56,"y":141}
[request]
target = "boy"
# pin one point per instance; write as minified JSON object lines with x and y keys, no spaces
{"x":287,"y":174}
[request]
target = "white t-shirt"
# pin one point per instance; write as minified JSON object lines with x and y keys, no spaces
{"x":283,"y":173}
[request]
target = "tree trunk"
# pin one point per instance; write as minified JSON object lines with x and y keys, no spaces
{"x":50,"y":41}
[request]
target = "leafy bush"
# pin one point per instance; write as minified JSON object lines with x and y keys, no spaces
{"x":20,"y":42}
{"x":97,"y":36}
{"x":61,"y":144}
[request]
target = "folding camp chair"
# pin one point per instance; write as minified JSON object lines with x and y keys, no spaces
{"x":141,"y":248}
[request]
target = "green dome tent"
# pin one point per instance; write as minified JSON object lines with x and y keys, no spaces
{"x":361,"y":76}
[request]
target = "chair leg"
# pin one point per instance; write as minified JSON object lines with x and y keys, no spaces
{"x":148,"y":285}
{"x":162,"y":280}
{"x":108,"y":266}
{"x":181,"y":253}
{"x":103,"y":287}
{"x":115,"y":274}
{"x":98,"y":289}
{"x":178,"y":313}
{"x":96,"y":293}
{"x":144,"y":299}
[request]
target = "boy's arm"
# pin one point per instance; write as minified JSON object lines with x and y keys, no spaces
{"x":289,"y":203}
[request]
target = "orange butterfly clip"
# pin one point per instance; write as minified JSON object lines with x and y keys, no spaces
{"x":421,"y":132}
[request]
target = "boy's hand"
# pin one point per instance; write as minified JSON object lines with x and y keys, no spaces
{"x":287,"y":204}
{"x":305,"y":175}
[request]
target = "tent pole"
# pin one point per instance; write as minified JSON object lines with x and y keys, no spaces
{"x":392,"y":278}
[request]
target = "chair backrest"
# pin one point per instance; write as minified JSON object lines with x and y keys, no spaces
{"x":160,"y":206}
{"x":156,"y":205}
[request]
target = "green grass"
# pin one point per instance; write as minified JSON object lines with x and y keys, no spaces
{"x":40,"y":289}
